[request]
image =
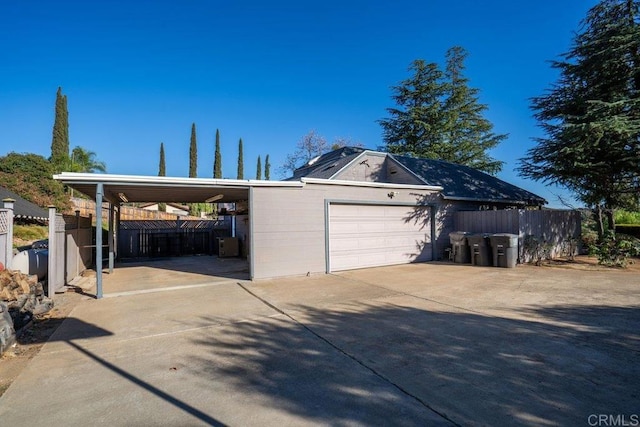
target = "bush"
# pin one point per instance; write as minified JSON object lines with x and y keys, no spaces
{"x":536,"y":250}
{"x":615,"y":250}
{"x":627,"y":217}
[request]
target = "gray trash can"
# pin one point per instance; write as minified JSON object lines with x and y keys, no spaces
{"x":459,"y":247}
{"x":505,"y":249}
{"x":480,"y":249}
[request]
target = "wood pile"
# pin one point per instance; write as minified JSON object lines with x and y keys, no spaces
{"x":23,"y":297}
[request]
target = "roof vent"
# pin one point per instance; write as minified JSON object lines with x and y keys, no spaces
{"x":312,"y":161}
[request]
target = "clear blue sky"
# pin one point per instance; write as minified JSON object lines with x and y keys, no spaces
{"x":137,"y":73}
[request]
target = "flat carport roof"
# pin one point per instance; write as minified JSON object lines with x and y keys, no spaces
{"x":136,"y":188}
{"x":117,"y":189}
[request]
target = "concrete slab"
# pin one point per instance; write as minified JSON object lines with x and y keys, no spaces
{"x":168,"y":273}
{"x":417,"y":344}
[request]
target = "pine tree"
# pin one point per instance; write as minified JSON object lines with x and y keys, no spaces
{"x":439,"y":117}
{"x":193,"y":153}
{"x":217,"y":161}
{"x":267,"y":168}
{"x":467,"y":131}
{"x":60,"y":140}
{"x":591,"y":116}
{"x":259,"y":169}
{"x":240,"y":160}
{"x":162,"y":171}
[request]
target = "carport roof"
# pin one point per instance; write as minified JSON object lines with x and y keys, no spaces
{"x":138,"y":188}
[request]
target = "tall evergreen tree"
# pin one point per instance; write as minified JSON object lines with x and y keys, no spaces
{"x":438,"y":116}
{"x":162,"y":168}
{"x":60,"y":139}
{"x":267,"y":168}
{"x":193,"y":153}
{"x":217,"y":161}
{"x":259,"y":169}
{"x":591,"y":116}
{"x":162,"y":171}
{"x":240,"y":160}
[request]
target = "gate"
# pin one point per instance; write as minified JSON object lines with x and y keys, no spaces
{"x":151,"y":239}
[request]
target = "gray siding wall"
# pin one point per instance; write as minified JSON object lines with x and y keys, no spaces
{"x":377,"y":168}
{"x":369,"y":168}
{"x":289,"y":224}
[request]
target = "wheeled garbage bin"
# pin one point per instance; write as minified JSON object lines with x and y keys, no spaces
{"x":505,"y":249}
{"x":480,"y":250}
{"x":459,"y":247}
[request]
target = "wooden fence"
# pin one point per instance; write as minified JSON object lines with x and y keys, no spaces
{"x":127,"y":213}
{"x":557,"y":230}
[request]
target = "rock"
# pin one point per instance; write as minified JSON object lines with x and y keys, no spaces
{"x":7,"y":332}
{"x":45,"y":306}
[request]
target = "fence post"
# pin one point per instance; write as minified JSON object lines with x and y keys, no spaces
{"x":8,"y":205}
{"x":53,"y":253}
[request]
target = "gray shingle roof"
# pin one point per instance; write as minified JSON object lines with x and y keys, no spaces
{"x":23,"y":208}
{"x":328,"y":164}
{"x":459,"y":182}
{"x":465,"y":183}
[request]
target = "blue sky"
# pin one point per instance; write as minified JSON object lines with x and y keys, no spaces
{"x":138,"y":73}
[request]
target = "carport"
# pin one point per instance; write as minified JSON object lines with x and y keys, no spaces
{"x":118,"y":189}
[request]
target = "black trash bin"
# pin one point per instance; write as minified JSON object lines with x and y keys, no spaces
{"x":459,"y":247}
{"x":505,"y":249}
{"x":480,"y":250}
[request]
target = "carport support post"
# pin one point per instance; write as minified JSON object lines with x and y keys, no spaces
{"x":111,"y":212}
{"x":99,"y":192}
{"x":53,"y":253}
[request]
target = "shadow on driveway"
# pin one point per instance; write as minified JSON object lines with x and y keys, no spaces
{"x":394,"y":364}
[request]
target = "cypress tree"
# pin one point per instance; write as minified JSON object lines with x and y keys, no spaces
{"x":217,"y":161}
{"x":267,"y":168}
{"x":162,"y":171}
{"x":259,"y":169}
{"x":193,"y":153}
{"x":240,"y":160}
{"x":60,"y":140}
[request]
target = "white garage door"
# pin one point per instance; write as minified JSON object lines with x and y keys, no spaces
{"x":372,"y":235}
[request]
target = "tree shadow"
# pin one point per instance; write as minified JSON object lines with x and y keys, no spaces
{"x":402,"y":365}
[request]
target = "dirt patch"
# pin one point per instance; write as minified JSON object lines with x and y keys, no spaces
{"x":584,"y":262}
{"x":33,"y":336}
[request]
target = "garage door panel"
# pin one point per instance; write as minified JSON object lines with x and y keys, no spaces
{"x":372,"y":235}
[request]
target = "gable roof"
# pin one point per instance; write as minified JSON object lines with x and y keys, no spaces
{"x":458,"y":182}
{"x":465,"y":183}
{"x":22,"y":208}
{"x":326,"y":165}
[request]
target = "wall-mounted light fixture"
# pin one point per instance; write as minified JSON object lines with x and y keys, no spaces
{"x":392,"y":194}
{"x":123,"y":197}
{"x":214,"y":198}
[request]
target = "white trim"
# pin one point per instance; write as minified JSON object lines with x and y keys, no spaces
{"x":86,"y":178}
{"x":370,"y":184}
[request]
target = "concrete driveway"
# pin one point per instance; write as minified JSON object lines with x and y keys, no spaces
{"x":423,"y":344}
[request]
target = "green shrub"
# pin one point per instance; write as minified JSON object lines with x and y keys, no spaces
{"x":626,"y":217}
{"x":615,"y":250}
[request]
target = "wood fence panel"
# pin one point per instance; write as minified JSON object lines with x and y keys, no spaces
{"x":558,"y":230}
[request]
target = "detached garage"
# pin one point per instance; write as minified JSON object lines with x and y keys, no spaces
{"x":347,"y":209}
